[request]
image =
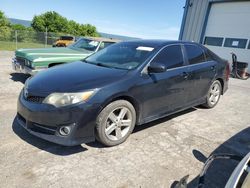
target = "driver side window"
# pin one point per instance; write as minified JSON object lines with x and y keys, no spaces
{"x":170,"y":56}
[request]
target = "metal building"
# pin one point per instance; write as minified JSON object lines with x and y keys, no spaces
{"x":221,"y":25}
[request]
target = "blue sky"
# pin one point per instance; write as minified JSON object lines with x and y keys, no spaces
{"x":158,"y":19}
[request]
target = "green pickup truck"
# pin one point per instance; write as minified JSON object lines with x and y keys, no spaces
{"x":30,"y":61}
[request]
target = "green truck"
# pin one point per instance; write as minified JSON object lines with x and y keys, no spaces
{"x":30,"y":61}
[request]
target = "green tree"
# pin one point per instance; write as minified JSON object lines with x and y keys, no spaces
{"x":18,"y":27}
{"x":54,"y":22}
{"x":51,"y":20}
{"x":5,"y":31}
{"x":3,"y":20}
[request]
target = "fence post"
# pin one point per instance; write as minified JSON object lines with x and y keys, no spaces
{"x":46,"y":37}
{"x":16,"y":38}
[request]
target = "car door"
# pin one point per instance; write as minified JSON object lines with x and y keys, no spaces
{"x":165,"y":92}
{"x":202,"y":72}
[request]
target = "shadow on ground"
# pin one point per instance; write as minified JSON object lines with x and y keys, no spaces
{"x":43,"y":144}
{"x":220,"y":170}
{"x":19,"y":77}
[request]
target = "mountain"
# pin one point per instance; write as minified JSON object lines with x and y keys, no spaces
{"x":27,"y":23}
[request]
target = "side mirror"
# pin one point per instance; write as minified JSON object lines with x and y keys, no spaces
{"x":157,"y":68}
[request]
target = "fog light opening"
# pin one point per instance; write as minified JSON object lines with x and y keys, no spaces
{"x":65,"y":130}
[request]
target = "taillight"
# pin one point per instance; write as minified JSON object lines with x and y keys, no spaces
{"x":227,"y":71}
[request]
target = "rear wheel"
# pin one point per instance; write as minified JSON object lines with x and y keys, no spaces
{"x":115,"y":123}
{"x":213,"y":95}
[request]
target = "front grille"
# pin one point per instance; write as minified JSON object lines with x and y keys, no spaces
{"x":35,"y":99}
{"x":20,"y":60}
{"x":23,"y":62}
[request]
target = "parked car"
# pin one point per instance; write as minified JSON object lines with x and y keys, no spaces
{"x":240,"y":178}
{"x":30,"y":61}
{"x":64,"y":41}
{"x":128,"y":83}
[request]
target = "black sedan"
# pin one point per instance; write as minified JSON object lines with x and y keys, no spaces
{"x":130,"y":83}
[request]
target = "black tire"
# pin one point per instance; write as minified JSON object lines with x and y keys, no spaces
{"x":209,"y":103}
{"x":103,"y":120}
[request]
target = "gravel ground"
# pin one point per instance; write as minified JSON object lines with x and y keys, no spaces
{"x":155,"y":155}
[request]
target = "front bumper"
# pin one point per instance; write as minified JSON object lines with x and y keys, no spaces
{"x":18,"y":67}
{"x":44,"y":121}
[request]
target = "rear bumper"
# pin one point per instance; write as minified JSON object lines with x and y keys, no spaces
{"x":22,"y":68}
{"x":44,"y":121}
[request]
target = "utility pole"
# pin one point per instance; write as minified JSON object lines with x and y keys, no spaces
{"x":46,"y":37}
{"x":16,"y":38}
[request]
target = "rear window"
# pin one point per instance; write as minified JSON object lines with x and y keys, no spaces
{"x":235,"y":43}
{"x":66,"y":38}
{"x":213,"y":41}
{"x":195,"y":54}
{"x":105,"y":44}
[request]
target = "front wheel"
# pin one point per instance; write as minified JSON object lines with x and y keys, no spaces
{"x":115,"y":123}
{"x":213,"y":95}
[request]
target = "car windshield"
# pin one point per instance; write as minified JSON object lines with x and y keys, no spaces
{"x":123,"y":55}
{"x":86,"y":44}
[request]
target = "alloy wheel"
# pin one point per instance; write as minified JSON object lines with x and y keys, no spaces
{"x":214,"y":94}
{"x":118,"y":123}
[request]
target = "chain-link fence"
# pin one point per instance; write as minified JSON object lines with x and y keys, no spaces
{"x":12,"y":40}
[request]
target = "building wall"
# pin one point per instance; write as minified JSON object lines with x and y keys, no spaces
{"x":218,"y":18}
{"x":193,"y":20}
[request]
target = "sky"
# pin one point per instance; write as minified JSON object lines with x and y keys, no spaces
{"x":155,"y":19}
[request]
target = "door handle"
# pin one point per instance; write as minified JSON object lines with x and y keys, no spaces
{"x":185,"y":75}
{"x":212,"y":67}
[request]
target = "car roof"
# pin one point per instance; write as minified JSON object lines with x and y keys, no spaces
{"x":157,"y":42}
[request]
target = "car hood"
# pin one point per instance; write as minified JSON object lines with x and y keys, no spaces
{"x":42,"y":53}
{"x":72,"y":77}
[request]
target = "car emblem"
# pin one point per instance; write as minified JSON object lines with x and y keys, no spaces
{"x":26,"y":93}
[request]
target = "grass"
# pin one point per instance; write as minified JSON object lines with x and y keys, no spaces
{"x":11,"y":46}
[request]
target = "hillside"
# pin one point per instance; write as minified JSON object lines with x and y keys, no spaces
{"x":27,"y":23}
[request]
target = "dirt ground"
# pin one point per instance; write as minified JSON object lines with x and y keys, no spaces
{"x":156,"y":155}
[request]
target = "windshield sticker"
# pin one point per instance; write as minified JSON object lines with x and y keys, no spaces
{"x":144,"y":48}
{"x":93,"y":43}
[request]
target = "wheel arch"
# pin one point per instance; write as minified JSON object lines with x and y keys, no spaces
{"x":222,"y":85}
{"x":128,"y":98}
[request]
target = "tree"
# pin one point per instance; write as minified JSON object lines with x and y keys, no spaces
{"x":51,"y":20}
{"x":4,"y":27}
{"x":3,"y":20}
{"x":54,"y":22}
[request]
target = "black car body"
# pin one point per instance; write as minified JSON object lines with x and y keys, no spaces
{"x":156,"y":77}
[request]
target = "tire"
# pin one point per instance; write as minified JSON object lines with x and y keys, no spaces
{"x":115,"y":123}
{"x":213,"y":95}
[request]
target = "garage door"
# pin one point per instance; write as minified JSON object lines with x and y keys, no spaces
{"x":228,"y":30}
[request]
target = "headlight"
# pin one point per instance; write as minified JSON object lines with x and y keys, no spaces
{"x":64,"y":99}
